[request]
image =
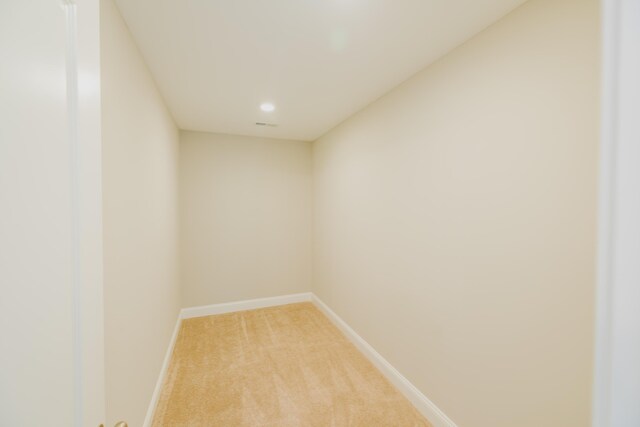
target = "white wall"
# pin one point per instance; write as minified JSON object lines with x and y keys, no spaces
{"x":140,"y":173}
{"x":455,"y":221}
{"x":35,"y":218}
{"x":50,"y":219}
{"x":245,"y":217}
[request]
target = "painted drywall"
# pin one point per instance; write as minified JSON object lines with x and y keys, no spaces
{"x":245,"y":215}
{"x":140,"y":177}
{"x":36,"y":249}
{"x":51,"y":361}
{"x":455,"y":221}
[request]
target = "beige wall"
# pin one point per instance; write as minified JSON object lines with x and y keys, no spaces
{"x":140,"y":162}
{"x":455,"y":221}
{"x":245,"y":217}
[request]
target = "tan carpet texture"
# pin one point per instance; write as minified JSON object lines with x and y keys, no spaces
{"x":278,"y":366}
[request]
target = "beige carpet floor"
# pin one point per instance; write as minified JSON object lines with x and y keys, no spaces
{"x":278,"y":366}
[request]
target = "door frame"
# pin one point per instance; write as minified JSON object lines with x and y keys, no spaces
{"x":85,"y":142}
{"x":617,"y":351}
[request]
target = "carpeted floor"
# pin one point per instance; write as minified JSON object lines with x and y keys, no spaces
{"x":278,"y":366}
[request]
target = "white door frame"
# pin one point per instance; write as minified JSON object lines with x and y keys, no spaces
{"x":617,"y":356}
{"x":84,"y":113}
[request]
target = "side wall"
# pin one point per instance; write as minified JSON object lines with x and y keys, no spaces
{"x":140,"y":175}
{"x":455,"y":221}
{"x":245,"y":217}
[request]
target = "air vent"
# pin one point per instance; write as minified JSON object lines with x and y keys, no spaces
{"x":271,"y":125}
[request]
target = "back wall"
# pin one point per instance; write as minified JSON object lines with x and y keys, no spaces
{"x":245,"y":205}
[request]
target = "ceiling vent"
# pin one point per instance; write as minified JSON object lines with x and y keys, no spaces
{"x":270,"y":125}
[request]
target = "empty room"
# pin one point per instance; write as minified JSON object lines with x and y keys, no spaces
{"x":320,"y":213}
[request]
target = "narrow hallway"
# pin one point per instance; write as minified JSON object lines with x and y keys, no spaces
{"x":341,"y":213}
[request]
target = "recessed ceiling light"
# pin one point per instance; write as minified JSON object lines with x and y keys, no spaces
{"x":267,"y":107}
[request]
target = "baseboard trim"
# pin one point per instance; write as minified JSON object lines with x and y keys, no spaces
{"x":148,"y":419}
{"x":411,"y":392}
{"x":415,"y":396}
{"x":252,"y":304}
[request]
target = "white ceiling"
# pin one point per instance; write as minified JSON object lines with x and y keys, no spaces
{"x":318,"y":61}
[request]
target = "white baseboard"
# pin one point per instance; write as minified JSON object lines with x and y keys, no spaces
{"x":419,"y":400}
{"x":415,"y":396}
{"x":252,"y":304}
{"x":163,"y":372}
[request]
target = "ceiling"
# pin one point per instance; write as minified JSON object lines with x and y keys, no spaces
{"x":317,"y":61}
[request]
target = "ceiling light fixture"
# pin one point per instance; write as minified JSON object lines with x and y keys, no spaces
{"x":267,"y":107}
